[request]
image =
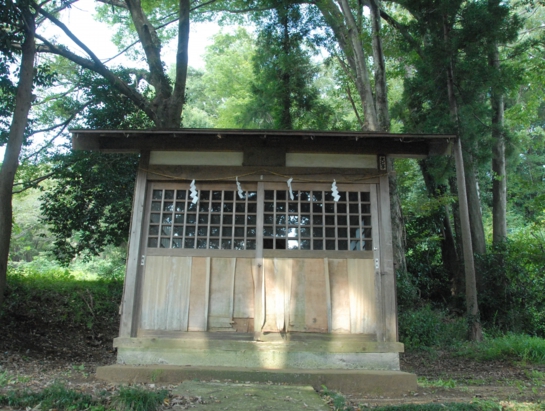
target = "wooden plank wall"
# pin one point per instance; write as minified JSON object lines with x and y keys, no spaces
{"x":220,"y":294}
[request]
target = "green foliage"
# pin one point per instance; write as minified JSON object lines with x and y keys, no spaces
{"x":70,"y":301}
{"x":425,"y":327}
{"x":138,"y":399}
{"x":511,"y":295}
{"x":89,"y":204}
{"x":517,"y":347}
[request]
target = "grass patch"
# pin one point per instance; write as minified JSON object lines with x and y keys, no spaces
{"x":138,"y":399}
{"x":512,"y":347}
{"x":54,"y":397}
{"x":439,"y":383}
{"x":432,"y":407}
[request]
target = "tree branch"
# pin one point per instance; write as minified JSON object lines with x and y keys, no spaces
{"x":101,"y":69}
{"x":403,"y":31}
{"x":32,"y":183}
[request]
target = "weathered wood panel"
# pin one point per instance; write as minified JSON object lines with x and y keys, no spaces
{"x":272,"y":293}
{"x":283,"y":274}
{"x":222,"y":281}
{"x":178,"y":294}
{"x":315,"y":296}
{"x":308,"y":301}
{"x":200,"y":288}
{"x":340,"y":296}
{"x":243,"y":306}
{"x":361,"y":285}
{"x":165,"y":294}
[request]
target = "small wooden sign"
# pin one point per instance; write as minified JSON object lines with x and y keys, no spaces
{"x":382,"y":165}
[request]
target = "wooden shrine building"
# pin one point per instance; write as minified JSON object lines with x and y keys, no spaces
{"x":261,"y":249}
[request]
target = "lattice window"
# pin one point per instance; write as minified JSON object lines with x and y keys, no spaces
{"x":314,"y":221}
{"x":219,"y":220}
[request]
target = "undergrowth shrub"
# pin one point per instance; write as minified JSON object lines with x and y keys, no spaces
{"x":508,"y":347}
{"x":425,"y":327}
{"x":56,"y":296}
{"x":511,"y":296}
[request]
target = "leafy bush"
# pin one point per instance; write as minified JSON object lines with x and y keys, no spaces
{"x":511,"y":296}
{"x":426,"y":327}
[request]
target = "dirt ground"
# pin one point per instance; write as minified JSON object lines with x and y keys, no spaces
{"x":36,"y":355}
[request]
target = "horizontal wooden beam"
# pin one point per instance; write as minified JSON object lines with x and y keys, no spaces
{"x":252,"y":141}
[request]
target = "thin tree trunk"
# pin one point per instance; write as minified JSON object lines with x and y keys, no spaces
{"x":472,"y":307}
{"x":399,"y":238}
{"x":474,"y":202}
{"x":285,"y":117}
{"x":499,"y":182}
{"x":449,"y":254}
{"x":23,"y":101}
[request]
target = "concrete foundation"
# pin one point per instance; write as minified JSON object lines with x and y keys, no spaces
{"x":335,"y":354}
{"x":344,"y":381}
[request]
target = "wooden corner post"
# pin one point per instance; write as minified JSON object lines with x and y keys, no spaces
{"x":387,"y":271}
{"x":129,"y":311}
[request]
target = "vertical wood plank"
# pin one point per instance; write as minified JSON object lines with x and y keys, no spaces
{"x":221,"y":293}
{"x":363,"y":307}
{"x":282,"y":274}
{"x":327,"y":293}
{"x":287,"y":268}
{"x":131,"y":288}
{"x":259,"y":313}
{"x":232,"y":289}
{"x":388,"y":280}
{"x":178,"y":293}
{"x":244,"y":289}
{"x":315,"y":296}
{"x":198,"y":300}
{"x":147,"y":310}
{"x":159,"y":298}
{"x":340,"y":296}
{"x":297,"y":297}
{"x":271,"y":294}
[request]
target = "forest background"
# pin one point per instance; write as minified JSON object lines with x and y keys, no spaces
{"x":471,"y":68}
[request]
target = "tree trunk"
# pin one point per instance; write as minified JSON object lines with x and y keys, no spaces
{"x":23,"y":101}
{"x":449,"y":253}
{"x":472,"y":307}
{"x":285,"y":116}
{"x":346,"y":32}
{"x":499,"y":181}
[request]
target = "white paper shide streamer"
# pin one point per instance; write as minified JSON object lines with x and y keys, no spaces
{"x":240,"y":192}
{"x":289,"y":186}
{"x":194,"y":194}
{"x":335,"y":191}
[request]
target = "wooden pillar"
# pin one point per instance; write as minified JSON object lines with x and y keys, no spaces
{"x":475,"y":332}
{"x":129,"y":310}
{"x":387,"y":271}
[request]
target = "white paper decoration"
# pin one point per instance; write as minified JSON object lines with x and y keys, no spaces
{"x":289,"y":186}
{"x":194,"y":194}
{"x":240,"y":192}
{"x":334,"y":191}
